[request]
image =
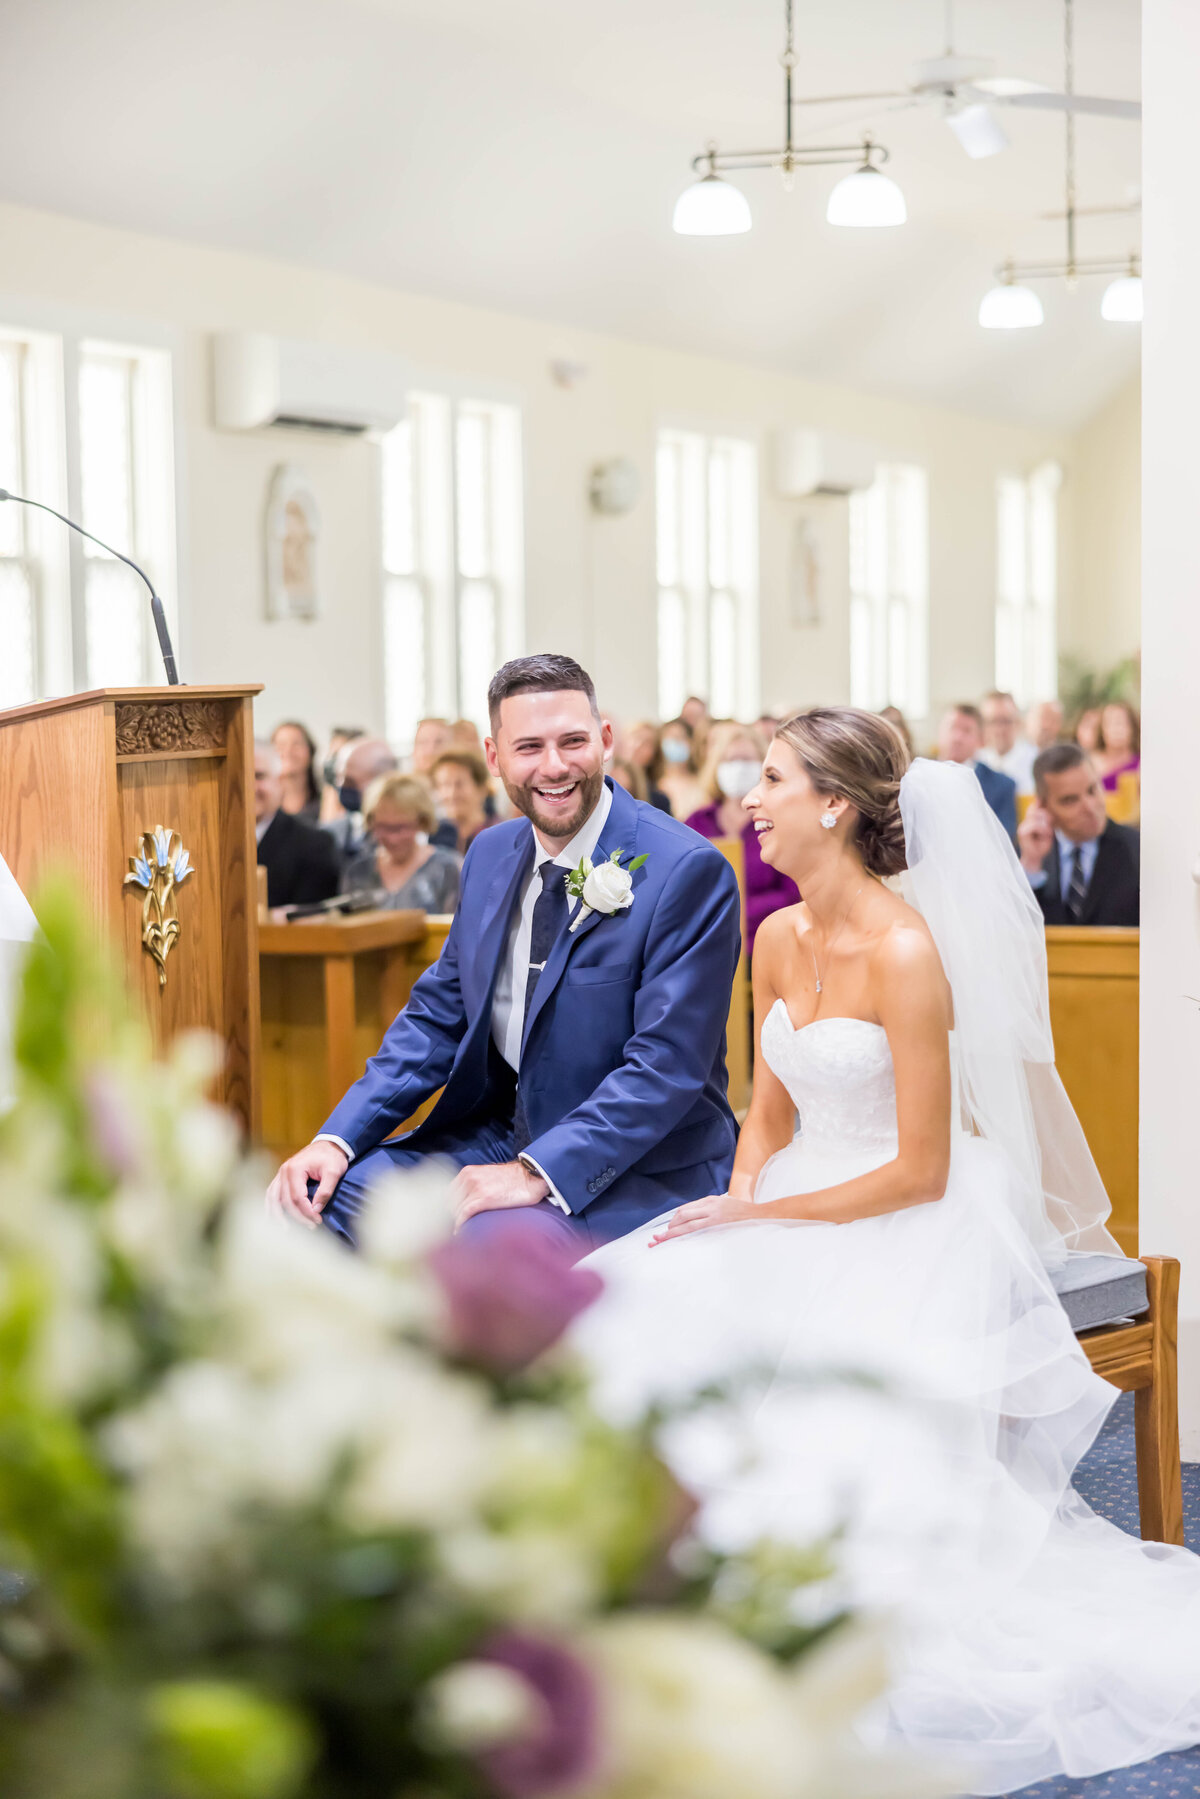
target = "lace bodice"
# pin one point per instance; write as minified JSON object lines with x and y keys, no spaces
{"x":839,"y":1074}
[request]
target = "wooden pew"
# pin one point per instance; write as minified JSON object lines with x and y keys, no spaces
{"x":330,"y":988}
{"x":1094,"y":1016}
{"x":739,"y":1051}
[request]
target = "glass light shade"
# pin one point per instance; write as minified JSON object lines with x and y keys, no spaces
{"x":866,"y":198}
{"x":712,"y":208}
{"x":1122,"y":302}
{"x":1010,"y":308}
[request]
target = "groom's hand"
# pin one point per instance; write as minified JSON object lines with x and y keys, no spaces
{"x":287,"y":1196}
{"x":492,"y":1186}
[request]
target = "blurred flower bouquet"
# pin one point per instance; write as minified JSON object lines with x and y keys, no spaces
{"x":284,"y":1523}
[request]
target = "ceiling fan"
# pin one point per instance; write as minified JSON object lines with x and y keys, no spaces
{"x":966,"y":89}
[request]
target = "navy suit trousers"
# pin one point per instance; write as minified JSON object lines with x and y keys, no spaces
{"x":483,"y":1140}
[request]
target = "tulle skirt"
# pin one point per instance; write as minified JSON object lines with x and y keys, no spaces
{"x":911,"y":1381}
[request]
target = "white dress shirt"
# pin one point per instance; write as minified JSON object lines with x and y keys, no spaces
{"x":512,"y":979}
{"x":1016,"y":763}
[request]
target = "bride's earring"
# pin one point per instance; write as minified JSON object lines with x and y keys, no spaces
{"x":829,"y":819}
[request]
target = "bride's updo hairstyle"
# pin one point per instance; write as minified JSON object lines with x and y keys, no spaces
{"x":859,"y":757}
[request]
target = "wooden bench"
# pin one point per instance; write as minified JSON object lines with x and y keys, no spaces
{"x":1138,"y":1355}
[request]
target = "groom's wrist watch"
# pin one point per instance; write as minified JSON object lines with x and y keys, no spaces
{"x":552,"y":1193}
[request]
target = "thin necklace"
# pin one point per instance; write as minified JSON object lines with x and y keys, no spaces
{"x":829,"y":946}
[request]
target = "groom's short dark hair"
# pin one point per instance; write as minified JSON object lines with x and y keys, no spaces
{"x":538,"y":674}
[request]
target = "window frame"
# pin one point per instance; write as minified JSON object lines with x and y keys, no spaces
{"x":55,"y":478}
{"x":1025,"y":632}
{"x":685,"y":579}
{"x":438,"y":576}
{"x":882,"y":590}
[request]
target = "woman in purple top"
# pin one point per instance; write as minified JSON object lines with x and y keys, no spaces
{"x":732,"y":767}
{"x":1119,"y":745}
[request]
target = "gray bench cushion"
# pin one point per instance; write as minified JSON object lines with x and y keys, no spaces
{"x":1097,"y":1289}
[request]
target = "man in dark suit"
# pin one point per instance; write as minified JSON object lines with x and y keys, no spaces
{"x":1083,"y":867}
{"x":960,"y":739}
{"x":301,"y":862}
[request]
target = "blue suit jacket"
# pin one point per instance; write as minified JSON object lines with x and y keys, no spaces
{"x":1001,"y":795}
{"x":623,"y":1059}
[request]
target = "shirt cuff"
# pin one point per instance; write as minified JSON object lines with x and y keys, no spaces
{"x":1038,"y":880}
{"x":328,"y":1137}
{"x":554,"y":1196}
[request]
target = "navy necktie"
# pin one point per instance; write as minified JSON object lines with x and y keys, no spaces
{"x":1077,"y":887}
{"x":549,"y":918}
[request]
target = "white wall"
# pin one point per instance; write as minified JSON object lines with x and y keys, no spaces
{"x":1170,"y":966}
{"x":589,"y":579}
{"x":1100,"y":620}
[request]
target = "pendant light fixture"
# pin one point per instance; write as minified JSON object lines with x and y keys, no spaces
{"x":1013,"y":306}
{"x":1122,"y":301}
{"x":714,"y":207}
{"x":1010,"y":306}
{"x":866,"y":198}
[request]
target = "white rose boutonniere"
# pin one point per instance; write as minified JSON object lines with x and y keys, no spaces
{"x":606,"y":887}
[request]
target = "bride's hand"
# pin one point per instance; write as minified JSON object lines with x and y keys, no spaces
{"x":703,"y":1214}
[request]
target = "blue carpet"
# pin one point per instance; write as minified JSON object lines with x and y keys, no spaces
{"x":1107,"y":1478}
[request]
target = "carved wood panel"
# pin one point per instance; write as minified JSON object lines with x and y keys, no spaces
{"x":165,"y":727}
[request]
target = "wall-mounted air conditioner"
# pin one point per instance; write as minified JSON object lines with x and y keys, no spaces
{"x":260,"y":380}
{"x":810,"y":462}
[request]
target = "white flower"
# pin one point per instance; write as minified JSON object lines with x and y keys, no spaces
{"x":694,"y":1712}
{"x":425,"y":1448}
{"x":410,"y":1212}
{"x":608,"y":888}
{"x":477,"y":1704}
{"x":532,"y":1575}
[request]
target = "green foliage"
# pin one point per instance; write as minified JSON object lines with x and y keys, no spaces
{"x":1083,"y":689}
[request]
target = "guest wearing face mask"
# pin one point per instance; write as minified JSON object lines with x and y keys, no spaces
{"x":339,"y":737}
{"x":680,"y":777}
{"x":358,"y":764}
{"x":733,"y":768}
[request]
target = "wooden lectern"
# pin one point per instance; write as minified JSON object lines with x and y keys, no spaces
{"x":83,"y":780}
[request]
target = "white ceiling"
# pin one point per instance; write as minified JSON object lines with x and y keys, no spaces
{"x":526,"y":154}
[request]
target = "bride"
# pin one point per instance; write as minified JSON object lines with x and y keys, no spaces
{"x":906,"y":1230}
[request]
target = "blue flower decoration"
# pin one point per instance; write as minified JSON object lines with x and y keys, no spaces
{"x":182,"y":865}
{"x":143,"y":874}
{"x":162,"y":846}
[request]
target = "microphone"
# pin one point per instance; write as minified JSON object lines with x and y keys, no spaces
{"x":156,"y":605}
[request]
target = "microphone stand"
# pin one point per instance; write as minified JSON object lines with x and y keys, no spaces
{"x":156,"y":605}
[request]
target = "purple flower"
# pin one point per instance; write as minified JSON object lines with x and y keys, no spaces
{"x":510,"y":1294}
{"x":113,"y":1128}
{"x":559,"y":1750}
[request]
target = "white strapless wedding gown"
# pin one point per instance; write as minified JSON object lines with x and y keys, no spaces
{"x":1037,"y":1638}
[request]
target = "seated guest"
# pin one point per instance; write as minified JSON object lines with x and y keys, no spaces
{"x":1087,"y":731}
{"x":339,"y":737}
{"x":461,"y":789}
{"x":1083,"y":867}
{"x":397,"y":863}
{"x":680,"y":777}
{"x":960,"y":739}
{"x":733,"y":767}
{"x":301,"y":861}
{"x":899,"y":723}
{"x":430,"y":738}
{"x":631,"y":778}
{"x":642,"y":746}
{"x":1119,"y":746}
{"x":300,"y":789}
{"x":1004,"y":748}
{"x":1044,"y":724}
{"x":358,"y":764}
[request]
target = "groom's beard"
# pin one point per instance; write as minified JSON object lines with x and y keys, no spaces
{"x":557,"y":824}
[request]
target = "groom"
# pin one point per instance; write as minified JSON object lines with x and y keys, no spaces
{"x":579,"y":1037}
